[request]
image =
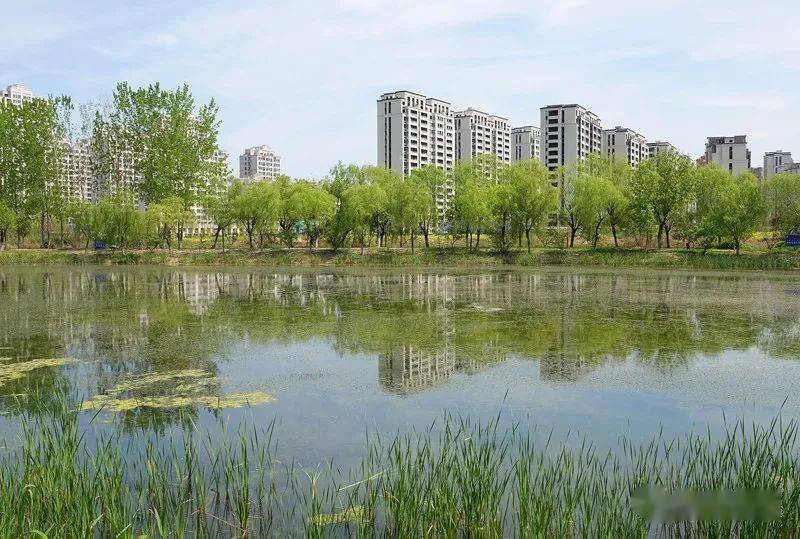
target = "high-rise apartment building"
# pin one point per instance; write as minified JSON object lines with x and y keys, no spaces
{"x":259,"y":163}
{"x":730,"y":153}
{"x":569,"y":133}
{"x":525,"y":143}
{"x":479,"y":133}
{"x":16,"y":94}
{"x":776,"y":162}
{"x":654,"y":148}
{"x":203,"y":225}
{"x":414,"y":131}
{"x":621,"y":143}
{"x":77,"y":178}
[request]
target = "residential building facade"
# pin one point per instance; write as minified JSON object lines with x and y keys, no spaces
{"x":526,"y":143}
{"x":259,"y":163}
{"x":77,"y":178}
{"x":16,"y":94}
{"x":414,"y":131}
{"x":776,"y":162}
{"x":480,"y":133}
{"x":621,"y":143}
{"x":654,"y":148}
{"x":730,"y":153}
{"x":569,"y":133}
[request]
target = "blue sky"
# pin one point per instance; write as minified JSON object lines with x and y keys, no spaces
{"x":303,"y":76}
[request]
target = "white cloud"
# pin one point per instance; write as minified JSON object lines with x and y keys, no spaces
{"x":305,"y":74}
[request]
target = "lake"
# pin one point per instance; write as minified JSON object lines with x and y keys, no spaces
{"x":329,"y":355}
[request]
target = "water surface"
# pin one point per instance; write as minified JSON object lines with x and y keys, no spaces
{"x":597,"y":353}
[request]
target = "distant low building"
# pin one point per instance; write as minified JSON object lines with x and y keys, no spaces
{"x":776,"y":162}
{"x":654,"y":148}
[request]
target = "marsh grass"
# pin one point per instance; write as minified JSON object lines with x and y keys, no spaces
{"x":68,"y":477}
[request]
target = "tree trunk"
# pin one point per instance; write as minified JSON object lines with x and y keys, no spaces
{"x":572,"y":232}
{"x":478,"y":240}
{"x":660,"y":233}
{"x":666,"y":229}
{"x":528,"y":238}
{"x":614,"y":233}
{"x":412,"y":239}
{"x":736,"y":245}
{"x":216,"y":236}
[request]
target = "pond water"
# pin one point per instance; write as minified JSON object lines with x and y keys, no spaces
{"x":330,"y":355}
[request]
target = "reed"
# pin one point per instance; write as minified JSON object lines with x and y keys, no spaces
{"x":71,"y":477}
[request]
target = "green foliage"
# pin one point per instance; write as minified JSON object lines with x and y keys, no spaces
{"x":256,"y":207}
{"x":782,"y":201}
{"x":735,"y":209}
{"x":661,"y":188}
{"x":31,"y":147}
{"x":170,"y":142}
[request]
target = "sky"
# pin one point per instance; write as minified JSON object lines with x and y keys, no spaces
{"x":303,"y":76}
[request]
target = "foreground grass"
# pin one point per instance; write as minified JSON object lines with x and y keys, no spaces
{"x":455,"y":479}
{"x":435,"y":257}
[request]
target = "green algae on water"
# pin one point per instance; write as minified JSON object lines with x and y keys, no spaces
{"x":171,"y":389}
{"x":15,"y":371}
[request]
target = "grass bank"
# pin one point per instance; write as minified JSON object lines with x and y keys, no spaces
{"x":457,"y":479}
{"x":436,"y":257}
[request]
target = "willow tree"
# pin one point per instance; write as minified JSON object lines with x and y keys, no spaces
{"x":663,"y":185}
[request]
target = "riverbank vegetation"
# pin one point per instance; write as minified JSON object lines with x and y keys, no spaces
{"x":606,"y":257}
{"x":67,"y":477}
{"x":159,"y":176}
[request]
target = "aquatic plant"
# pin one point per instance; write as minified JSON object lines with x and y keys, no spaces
{"x":71,"y":478}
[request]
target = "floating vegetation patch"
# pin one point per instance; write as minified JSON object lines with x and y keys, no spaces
{"x":171,"y":389}
{"x":15,"y":371}
{"x":352,"y":514}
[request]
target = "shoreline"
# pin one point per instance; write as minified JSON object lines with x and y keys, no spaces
{"x":422,"y":258}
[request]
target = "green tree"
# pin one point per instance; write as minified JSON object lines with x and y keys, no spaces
{"x":7,"y":220}
{"x":316,"y":207}
{"x":663,"y":185}
{"x":533,"y":194}
{"x":736,"y":210}
{"x":471,"y":209}
{"x":433,"y":180}
{"x":366,"y":201}
{"x":256,"y":207}
{"x":220,"y":208}
{"x":31,"y":147}
{"x":782,"y":201}
{"x":171,"y":144}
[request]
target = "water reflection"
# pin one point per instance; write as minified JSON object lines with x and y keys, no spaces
{"x":422,"y":328}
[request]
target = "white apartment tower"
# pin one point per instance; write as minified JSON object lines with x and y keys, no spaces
{"x":481,"y":133}
{"x":655,"y":148}
{"x":569,"y":133}
{"x":730,"y":153}
{"x":258,"y":163}
{"x":525,"y":143}
{"x":16,"y":94}
{"x":624,"y":144}
{"x":776,"y":162}
{"x":77,"y":177}
{"x":414,"y":131}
